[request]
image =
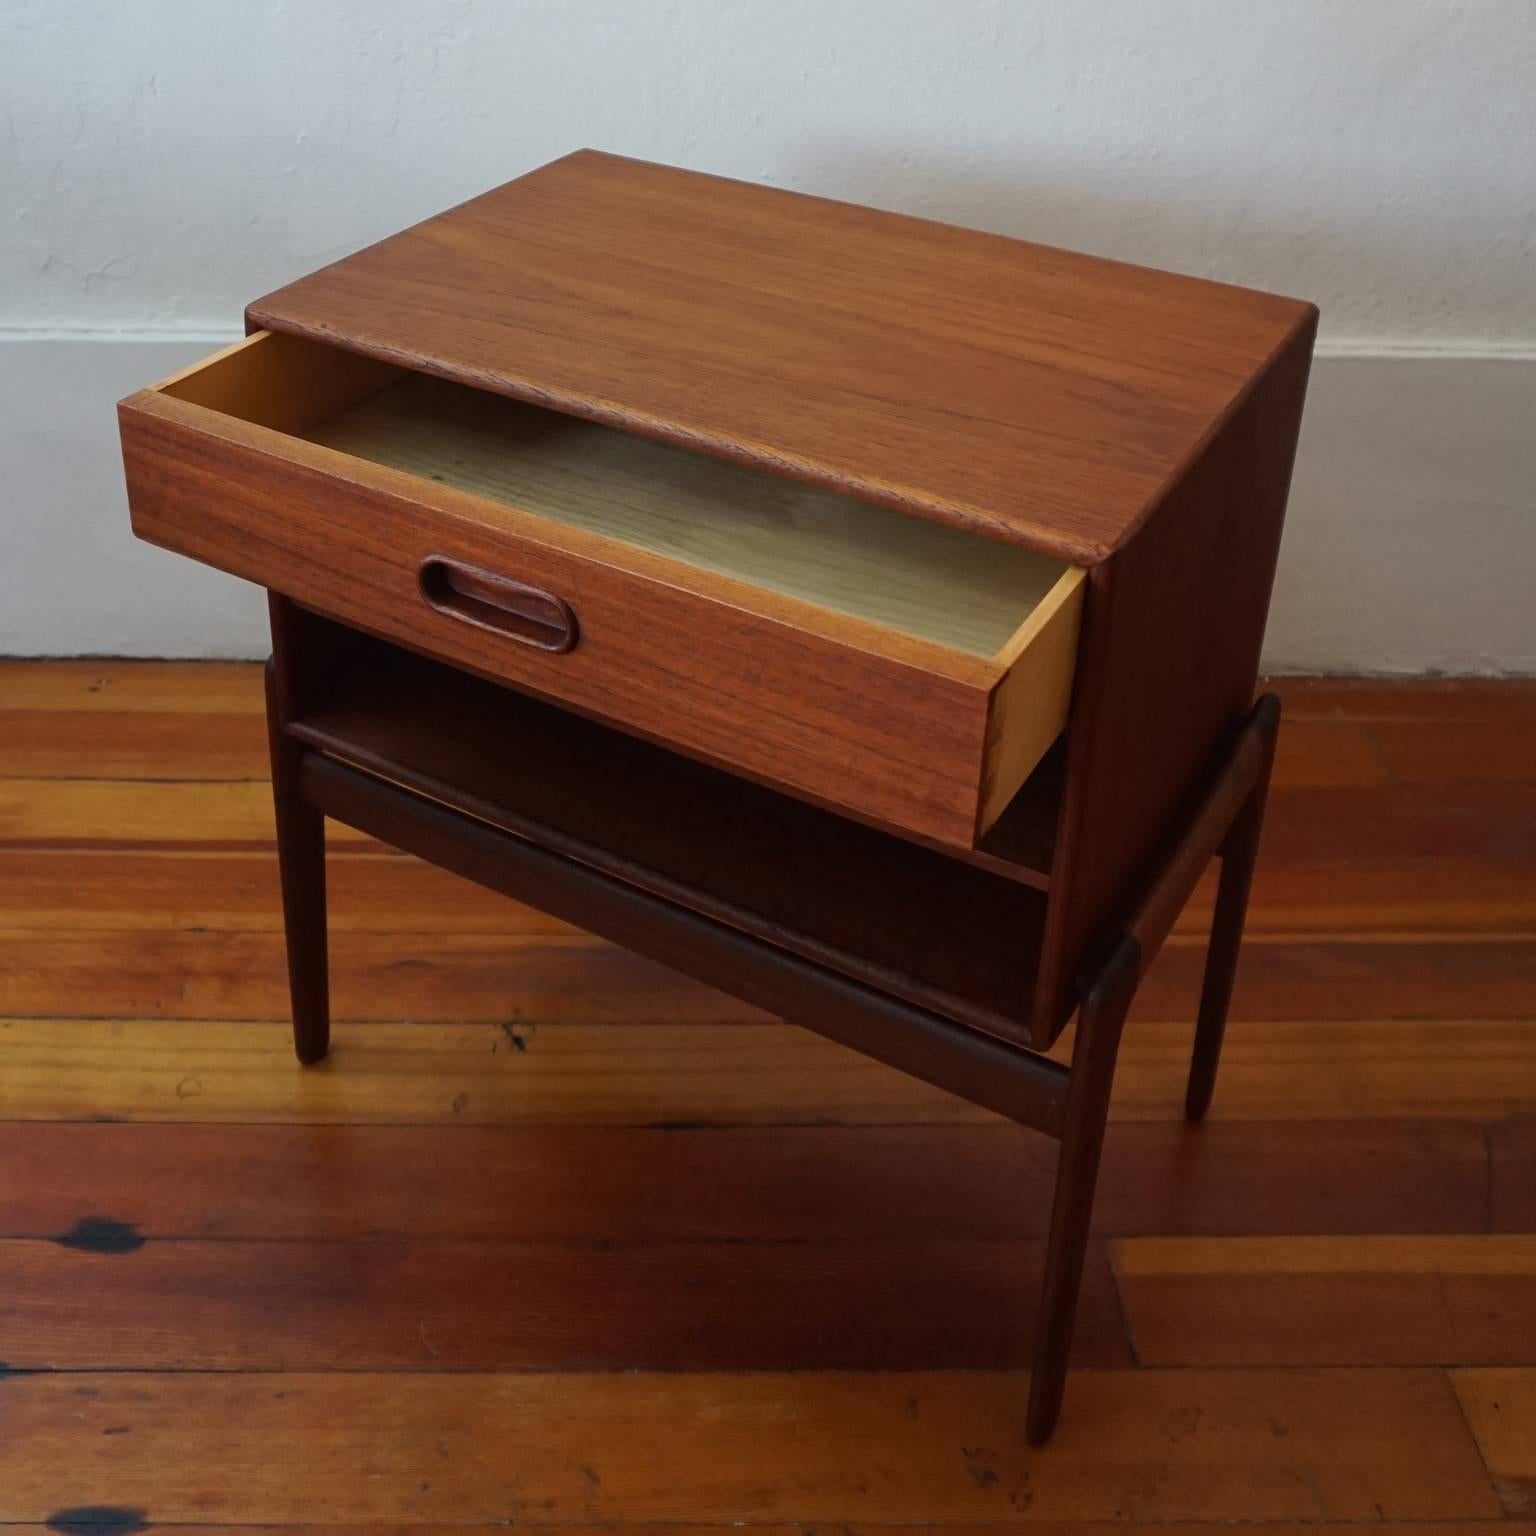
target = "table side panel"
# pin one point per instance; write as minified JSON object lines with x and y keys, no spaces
{"x":1172,"y":630}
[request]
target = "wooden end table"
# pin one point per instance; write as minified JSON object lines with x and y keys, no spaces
{"x":859,"y":614}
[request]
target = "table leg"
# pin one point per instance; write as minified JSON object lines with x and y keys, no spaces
{"x":1099,"y":1026}
{"x":301,"y":871}
{"x":1239,"y":853}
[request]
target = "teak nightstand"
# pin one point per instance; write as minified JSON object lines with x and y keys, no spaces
{"x":857,"y":613}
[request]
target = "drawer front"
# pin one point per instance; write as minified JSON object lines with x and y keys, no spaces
{"x":870,"y":728}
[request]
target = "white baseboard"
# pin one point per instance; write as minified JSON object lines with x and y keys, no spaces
{"x":1410,"y":545}
{"x":1410,"y":542}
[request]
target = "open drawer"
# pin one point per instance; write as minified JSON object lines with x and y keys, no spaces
{"x":901,"y":670}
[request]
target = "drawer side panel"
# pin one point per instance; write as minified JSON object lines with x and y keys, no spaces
{"x":1029,"y":705}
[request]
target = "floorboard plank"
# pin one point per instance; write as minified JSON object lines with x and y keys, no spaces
{"x":1293,"y":896}
{"x":111,"y":685}
{"x":1350,"y":980}
{"x":400,"y":1074}
{"x":1503,"y":1527}
{"x":580,"y":1183}
{"x":463,"y":977}
{"x":499,"y":1306}
{"x":1501,"y":1408}
{"x":1330,"y":1300}
{"x":1512,"y":1173}
{"x":213,"y":1071}
{"x":115,"y":812}
{"x":1441,"y":700}
{"x":1309,"y":1070}
{"x":1148,"y":1445}
{"x":133,"y":744}
{"x":1476,"y":751}
{"x":68,"y":890}
{"x":1326,"y":753}
{"x":1466,"y":819}
{"x":374,"y":977}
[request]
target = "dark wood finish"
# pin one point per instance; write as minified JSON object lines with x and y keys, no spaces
{"x":989,"y":1072}
{"x":511,"y":608}
{"x":1094,"y":1051}
{"x":1239,"y":852}
{"x":1033,"y":394}
{"x":944,"y":921}
{"x":1227,"y":800}
{"x":300,"y":855}
{"x":732,"y":1184}
{"x":955,"y":939}
{"x":640,"y":904}
{"x":1512,"y":1182}
{"x":1172,"y":630}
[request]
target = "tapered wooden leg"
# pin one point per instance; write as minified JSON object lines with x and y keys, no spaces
{"x":1239,"y":853}
{"x":1099,"y":1026}
{"x":301,"y":868}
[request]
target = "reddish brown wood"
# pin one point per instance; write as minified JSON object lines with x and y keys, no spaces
{"x":862,"y":718}
{"x":1133,"y":422}
{"x":1512,"y":1154}
{"x":300,"y":854}
{"x":1082,"y":1141}
{"x":511,"y":608}
{"x":1239,"y":853}
{"x":1227,"y":800}
{"x":1032,"y":394}
{"x":908,"y":1302}
{"x":985,"y":1182}
{"x":947,"y":936}
{"x":1166,"y":674}
{"x":543,"y":866}
{"x":984,"y":1070}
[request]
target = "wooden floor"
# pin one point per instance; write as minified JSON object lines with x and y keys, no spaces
{"x":556,"y":1238}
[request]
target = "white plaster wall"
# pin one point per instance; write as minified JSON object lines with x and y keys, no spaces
{"x":164,"y":161}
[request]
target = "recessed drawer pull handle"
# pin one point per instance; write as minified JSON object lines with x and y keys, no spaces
{"x":512,"y":608}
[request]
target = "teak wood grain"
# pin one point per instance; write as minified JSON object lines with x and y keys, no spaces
{"x":828,"y":643}
{"x":886,"y":724}
{"x":1363,"y":1445}
{"x":1363,"y":920}
{"x":1031,"y":394}
{"x":1172,"y":628}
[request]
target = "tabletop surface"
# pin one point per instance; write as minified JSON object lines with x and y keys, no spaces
{"x":1028,"y":393}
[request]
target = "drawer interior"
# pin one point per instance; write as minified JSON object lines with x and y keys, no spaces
{"x":937,"y":583}
{"x":940,"y":932}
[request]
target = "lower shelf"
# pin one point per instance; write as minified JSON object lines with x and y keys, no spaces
{"x":953,"y":938}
